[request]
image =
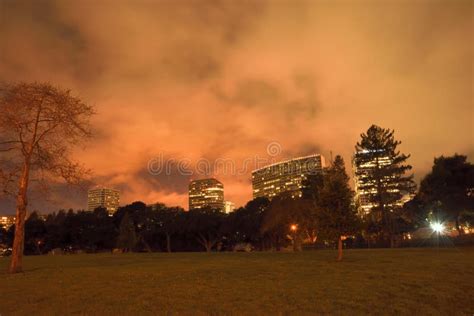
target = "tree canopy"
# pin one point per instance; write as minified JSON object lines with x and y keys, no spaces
{"x":448,"y":190}
{"x":337,"y":217}
{"x":381,"y":173}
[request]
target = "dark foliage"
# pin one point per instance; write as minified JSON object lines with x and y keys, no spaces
{"x":448,"y":190}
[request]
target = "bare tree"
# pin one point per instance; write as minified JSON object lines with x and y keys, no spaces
{"x":39,"y":126}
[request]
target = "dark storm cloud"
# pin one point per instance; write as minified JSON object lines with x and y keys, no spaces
{"x":135,"y":42}
{"x":171,"y":179}
{"x":291,"y":102}
{"x":37,"y":40}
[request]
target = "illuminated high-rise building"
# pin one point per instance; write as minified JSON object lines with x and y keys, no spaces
{"x":286,"y":176}
{"x":206,"y":193}
{"x":365,"y":190}
{"x":103,"y":197}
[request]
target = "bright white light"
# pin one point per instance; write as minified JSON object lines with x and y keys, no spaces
{"x":437,"y":227}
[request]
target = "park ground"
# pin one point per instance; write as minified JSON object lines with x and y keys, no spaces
{"x":375,"y":281}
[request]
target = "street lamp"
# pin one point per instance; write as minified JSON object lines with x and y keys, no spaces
{"x":437,"y":227}
{"x":294,"y":228}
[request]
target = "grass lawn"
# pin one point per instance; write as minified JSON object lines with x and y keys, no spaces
{"x":385,"y":281}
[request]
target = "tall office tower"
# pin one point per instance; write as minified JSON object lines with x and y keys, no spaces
{"x":103,"y":197}
{"x":363,"y":166}
{"x":229,"y":207}
{"x":286,"y":176}
{"x":206,"y":193}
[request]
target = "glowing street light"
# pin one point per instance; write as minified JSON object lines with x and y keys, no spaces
{"x":437,"y":227}
{"x":294,"y":227}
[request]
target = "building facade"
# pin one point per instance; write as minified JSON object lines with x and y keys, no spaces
{"x":365,"y":190}
{"x":286,"y":176}
{"x":229,"y":207}
{"x":103,"y":197}
{"x":206,"y":193}
{"x":6,"y":221}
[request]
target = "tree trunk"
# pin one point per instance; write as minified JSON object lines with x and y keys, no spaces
{"x":458,"y":227}
{"x":384,"y":213}
{"x":339,"y":249}
{"x":394,"y":241}
{"x":392,"y":230}
{"x":21,"y":203}
{"x":147,"y":246}
{"x":294,"y":243}
{"x":38,"y":250}
{"x":207,"y":243}
{"x":168,"y":243}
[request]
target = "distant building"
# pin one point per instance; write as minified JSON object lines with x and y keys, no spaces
{"x":206,"y":193}
{"x":6,"y":221}
{"x":103,"y":197}
{"x":364,"y":190}
{"x":286,"y":176}
{"x":229,"y":207}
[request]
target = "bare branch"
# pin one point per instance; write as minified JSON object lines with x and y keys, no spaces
{"x":44,"y":133}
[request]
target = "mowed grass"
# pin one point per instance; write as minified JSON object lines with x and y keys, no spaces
{"x":385,"y":281}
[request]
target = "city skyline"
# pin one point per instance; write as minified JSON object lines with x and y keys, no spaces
{"x":85,"y":204}
{"x":222,"y":81}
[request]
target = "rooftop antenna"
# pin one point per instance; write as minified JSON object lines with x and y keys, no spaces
{"x":330,"y":157}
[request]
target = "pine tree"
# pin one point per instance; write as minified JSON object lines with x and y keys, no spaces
{"x":381,"y":169}
{"x":337,"y":218}
{"x":127,"y":238}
